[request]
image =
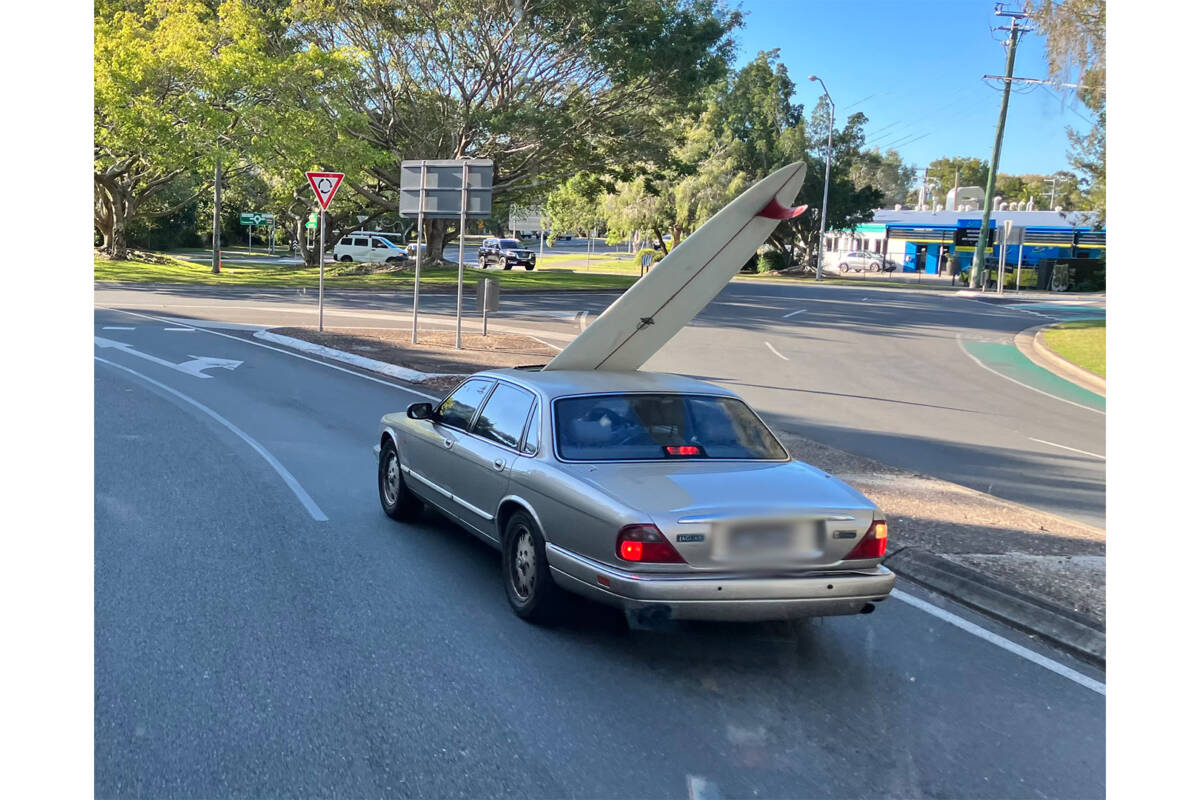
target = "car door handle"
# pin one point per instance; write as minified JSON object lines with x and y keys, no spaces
{"x":446,"y":443}
{"x":498,"y":464}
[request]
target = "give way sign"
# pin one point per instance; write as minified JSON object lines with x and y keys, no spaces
{"x":325,"y":186}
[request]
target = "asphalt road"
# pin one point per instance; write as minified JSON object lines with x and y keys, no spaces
{"x":262,"y":628}
{"x":928,"y":381}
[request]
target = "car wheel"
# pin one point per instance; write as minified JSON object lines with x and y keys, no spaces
{"x":397,"y":501}
{"x":508,"y":266}
{"x":843,"y":268}
{"x":531,"y":591}
{"x":393,"y":260}
{"x":346,"y":259}
{"x":874,"y":268}
{"x":529,"y":268}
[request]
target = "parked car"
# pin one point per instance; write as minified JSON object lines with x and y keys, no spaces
{"x":368,"y":246}
{"x":860,"y":261}
{"x":506,"y":253}
{"x":658,"y":494}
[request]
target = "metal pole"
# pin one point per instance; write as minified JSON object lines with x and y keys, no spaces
{"x":1003,"y":253}
{"x":250,"y":240}
{"x":216,"y":235}
{"x":420,"y":228}
{"x":1020,"y":258}
{"x":462,"y":232}
{"x":541,"y":238}
{"x":825,"y":196}
{"x":993,"y":167}
{"x":321,"y":279}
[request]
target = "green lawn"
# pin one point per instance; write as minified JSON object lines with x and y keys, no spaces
{"x":1080,"y":342}
{"x":285,"y":277}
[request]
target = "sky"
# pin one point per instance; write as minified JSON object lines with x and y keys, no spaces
{"x":914,"y":68}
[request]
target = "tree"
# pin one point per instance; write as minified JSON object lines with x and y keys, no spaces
{"x":887,"y":172}
{"x":544,"y":88}
{"x":576,"y":206}
{"x":1075,"y":48}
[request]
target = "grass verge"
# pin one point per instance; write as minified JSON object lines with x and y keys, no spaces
{"x":1081,"y":342}
{"x":175,"y":271}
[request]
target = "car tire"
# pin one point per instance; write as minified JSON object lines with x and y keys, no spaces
{"x":347,"y":259}
{"x":508,"y":266}
{"x":529,"y":268}
{"x":397,"y":501}
{"x":875,"y":268}
{"x":532,"y":593}
{"x":843,"y":268}
{"x":393,"y":260}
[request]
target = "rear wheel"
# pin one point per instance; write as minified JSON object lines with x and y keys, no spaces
{"x":397,"y":501}
{"x":346,"y":259}
{"x":532,"y":593}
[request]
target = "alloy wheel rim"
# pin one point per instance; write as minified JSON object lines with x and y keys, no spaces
{"x":524,"y":562}
{"x":391,"y":483}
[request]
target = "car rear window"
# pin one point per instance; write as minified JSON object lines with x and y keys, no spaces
{"x":639,"y":427}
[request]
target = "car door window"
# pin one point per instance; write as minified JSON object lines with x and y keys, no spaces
{"x":360,"y":242}
{"x":503,"y":417}
{"x":458,"y":409}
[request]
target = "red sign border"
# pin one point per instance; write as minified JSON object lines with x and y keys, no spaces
{"x":312,"y":176}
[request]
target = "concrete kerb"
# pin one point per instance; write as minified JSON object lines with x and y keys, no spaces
{"x":1077,"y":635}
{"x":1030,"y":343}
{"x":383,"y":368}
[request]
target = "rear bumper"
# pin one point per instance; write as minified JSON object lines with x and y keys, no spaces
{"x":722,"y":597}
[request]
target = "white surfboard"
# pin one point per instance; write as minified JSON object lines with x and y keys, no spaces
{"x":674,"y":291}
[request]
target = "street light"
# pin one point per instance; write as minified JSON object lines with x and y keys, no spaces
{"x":825,"y":199}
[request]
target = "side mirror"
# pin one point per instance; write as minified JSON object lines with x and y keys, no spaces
{"x":420,"y":411}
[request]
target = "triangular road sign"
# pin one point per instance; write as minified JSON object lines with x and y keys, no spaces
{"x":325,"y":185}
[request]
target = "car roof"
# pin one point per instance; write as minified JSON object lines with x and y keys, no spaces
{"x":561,"y":382}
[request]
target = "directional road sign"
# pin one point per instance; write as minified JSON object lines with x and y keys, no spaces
{"x":257,"y":218}
{"x":325,"y":185}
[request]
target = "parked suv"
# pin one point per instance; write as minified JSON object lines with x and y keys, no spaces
{"x":507,"y":253}
{"x":369,"y":247}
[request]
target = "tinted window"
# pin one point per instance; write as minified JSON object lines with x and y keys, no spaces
{"x":503,"y":418}
{"x":457,"y":409}
{"x":360,"y":242}
{"x":510,"y":243}
{"x":644,"y":426}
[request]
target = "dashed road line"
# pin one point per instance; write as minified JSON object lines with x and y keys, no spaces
{"x":118,"y":328}
{"x":776,"y":352}
{"x":794,"y":313}
{"x":1072,"y":449}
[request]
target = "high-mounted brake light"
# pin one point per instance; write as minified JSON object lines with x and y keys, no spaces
{"x":873,"y":544}
{"x":683,"y":450}
{"x":647,"y":545}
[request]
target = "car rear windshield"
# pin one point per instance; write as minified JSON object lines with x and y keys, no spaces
{"x":638,"y":427}
{"x":512,"y":243}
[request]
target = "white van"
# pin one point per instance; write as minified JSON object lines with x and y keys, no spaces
{"x":369,"y":246}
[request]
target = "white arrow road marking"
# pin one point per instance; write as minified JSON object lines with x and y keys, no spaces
{"x":195,"y":367}
{"x":305,"y":499}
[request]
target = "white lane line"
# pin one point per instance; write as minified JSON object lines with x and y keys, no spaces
{"x":776,"y":352}
{"x":962,"y":347}
{"x":291,"y":353}
{"x":1016,"y":649}
{"x":1072,"y":449}
{"x":179,"y":329}
{"x":305,"y":500}
{"x":794,"y":313}
{"x":118,"y":328}
{"x":542,"y":341}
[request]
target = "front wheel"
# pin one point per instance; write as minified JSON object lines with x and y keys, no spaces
{"x":529,"y":268}
{"x":532,"y":593}
{"x":347,"y":259}
{"x":508,"y":266}
{"x":843,"y":268}
{"x":397,"y":501}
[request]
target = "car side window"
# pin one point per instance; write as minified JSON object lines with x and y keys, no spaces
{"x":360,"y":242}
{"x":533,"y":436}
{"x":503,"y":417}
{"x":377,"y":244}
{"x":458,"y":409}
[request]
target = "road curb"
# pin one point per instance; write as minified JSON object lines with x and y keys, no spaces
{"x":1077,"y":635}
{"x":1031,"y":345}
{"x":382,"y":367}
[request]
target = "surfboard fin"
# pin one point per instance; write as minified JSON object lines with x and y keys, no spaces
{"x":776,"y":210}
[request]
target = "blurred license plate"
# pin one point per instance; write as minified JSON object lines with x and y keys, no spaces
{"x":776,"y":539}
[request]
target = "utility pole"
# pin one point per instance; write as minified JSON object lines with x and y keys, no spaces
{"x":1053,"y":181}
{"x":216,"y":236}
{"x":1014,"y":34}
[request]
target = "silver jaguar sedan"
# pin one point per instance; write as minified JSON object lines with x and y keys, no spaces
{"x":662,"y":495}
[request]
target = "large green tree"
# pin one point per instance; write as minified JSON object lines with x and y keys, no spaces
{"x":544,"y":88}
{"x":1075,"y":53}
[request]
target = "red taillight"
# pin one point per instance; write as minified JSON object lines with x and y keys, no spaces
{"x":646,"y":544}
{"x":873,"y":544}
{"x":683,"y":450}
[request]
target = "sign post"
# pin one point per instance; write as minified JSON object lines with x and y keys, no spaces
{"x":1008,"y":224}
{"x":444,"y":189}
{"x":324,"y":186}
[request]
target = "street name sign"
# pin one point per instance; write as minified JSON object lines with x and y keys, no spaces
{"x":324,"y":186}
